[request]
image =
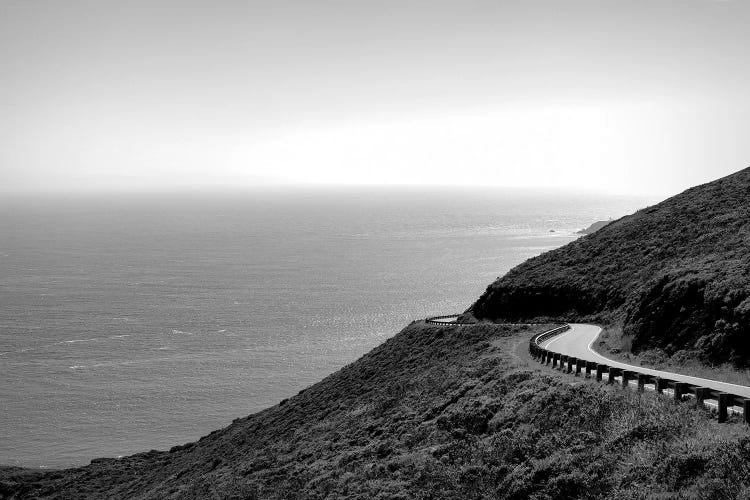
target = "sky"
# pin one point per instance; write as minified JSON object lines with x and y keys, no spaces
{"x":621,"y":96}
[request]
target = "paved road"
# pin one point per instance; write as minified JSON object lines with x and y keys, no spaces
{"x":578,"y":340}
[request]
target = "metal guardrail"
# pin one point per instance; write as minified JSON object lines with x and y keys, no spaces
{"x":569,"y":364}
{"x":541,"y":337}
{"x":439,"y":320}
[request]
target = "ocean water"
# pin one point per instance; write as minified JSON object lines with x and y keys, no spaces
{"x":129,"y":323}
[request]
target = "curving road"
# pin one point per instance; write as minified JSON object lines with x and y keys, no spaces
{"x":578,"y":340}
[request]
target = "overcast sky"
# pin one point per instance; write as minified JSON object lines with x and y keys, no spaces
{"x":631,"y":96}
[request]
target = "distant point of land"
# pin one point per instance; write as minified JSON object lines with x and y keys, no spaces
{"x":595,"y":227}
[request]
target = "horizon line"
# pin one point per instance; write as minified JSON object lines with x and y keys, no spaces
{"x":309,"y":186}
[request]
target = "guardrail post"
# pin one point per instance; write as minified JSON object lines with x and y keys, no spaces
{"x":563,"y":362}
{"x":571,"y":360}
{"x":588,"y":366}
{"x":625,"y":379}
{"x":700,"y":395}
{"x":613,"y":372}
{"x":679,"y":390}
{"x":723,"y":401}
{"x":641,"y":382}
{"x":660,"y":384}
{"x":578,"y":366}
{"x":746,"y":410}
{"x":599,"y":371}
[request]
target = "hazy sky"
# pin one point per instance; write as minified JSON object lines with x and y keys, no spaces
{"x":636,"y":96}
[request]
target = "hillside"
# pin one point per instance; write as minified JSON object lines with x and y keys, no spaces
{"x":434,"y":413}
{"x":676,"y":276}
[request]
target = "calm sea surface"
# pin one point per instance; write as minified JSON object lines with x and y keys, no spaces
{"x":134,"y":323}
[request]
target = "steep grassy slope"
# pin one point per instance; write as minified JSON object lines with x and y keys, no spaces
{"x":440,"y":413}
{"x":677,"y":275}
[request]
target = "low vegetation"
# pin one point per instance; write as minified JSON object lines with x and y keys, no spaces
{"x":675,"y":276}
{"x":436,"y":413}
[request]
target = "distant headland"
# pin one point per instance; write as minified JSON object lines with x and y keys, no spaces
{"x":595,"y":227}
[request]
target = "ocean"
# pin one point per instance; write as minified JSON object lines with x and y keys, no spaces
{"x":138,"y":322}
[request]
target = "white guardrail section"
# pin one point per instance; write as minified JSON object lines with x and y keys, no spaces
{"x":450,"y":319}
